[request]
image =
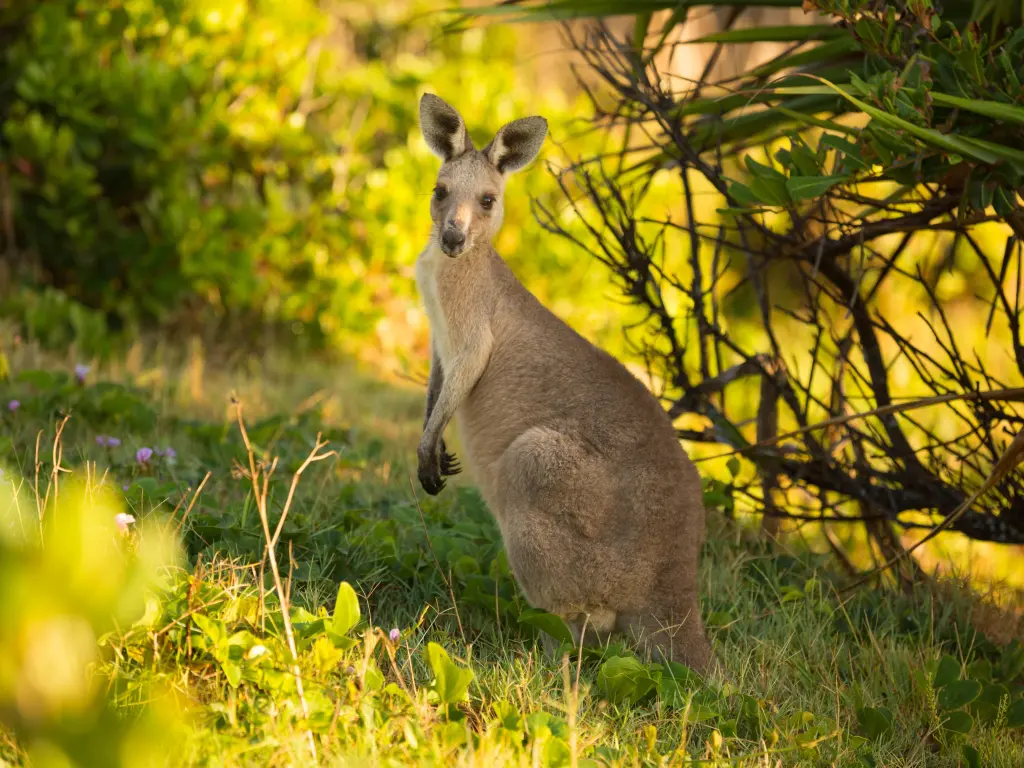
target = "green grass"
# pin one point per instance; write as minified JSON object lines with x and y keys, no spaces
{"x":814,"y":678}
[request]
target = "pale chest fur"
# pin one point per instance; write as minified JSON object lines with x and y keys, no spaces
{"x":428,"y":269}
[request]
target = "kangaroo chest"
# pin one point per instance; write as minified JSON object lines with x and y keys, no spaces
{"x":428,"y":268}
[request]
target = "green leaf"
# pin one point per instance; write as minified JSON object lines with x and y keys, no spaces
{"x":451,"y":682}
{"x":971,"y":756}
{"x":779,"y":34}
{"x":742,"y":194}
{"x":640,"y":26}
{"x":958,"y":722}
{"x":875,"y":722}
{"x":803,"y":160}
{"x":212,"y":628}
{"x":762,"y":171}
{"x":849,"y":151}
{"x":810,"y":187}
{"x":825,"y":53}
{"x":994,"y":109}
{"x":771,"y":191}
{"x":733,"y":465}
{"x":547,"y":622}
{"x":994,"y":693}
{"x":950,"y":143}
{"x":947,"y":671}
{"x":1015,"y":714}
{"x":346,"y":609}
{"x":560,"y":10}
{"x":1004,"y":201}
{"x":624,"y":679}
{"x":232,"y":671}
{"x":959,"y":693}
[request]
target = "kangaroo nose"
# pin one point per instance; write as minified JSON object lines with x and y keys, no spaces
{"x":452,"y":240}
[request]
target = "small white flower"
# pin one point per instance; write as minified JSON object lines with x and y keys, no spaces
{"x":256,"y":651}
{"x":122,"y":521}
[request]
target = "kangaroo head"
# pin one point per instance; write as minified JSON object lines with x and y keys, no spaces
{"x":466,"y":206}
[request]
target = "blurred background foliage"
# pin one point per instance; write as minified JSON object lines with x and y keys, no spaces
{"x":206,"y":166}
{"x":250,"y":173}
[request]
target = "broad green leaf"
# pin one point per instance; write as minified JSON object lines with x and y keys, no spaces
{"x":771,"y":191}
{"x":1015,"y":714}
{"x":451,"y":682}
{"x":547,"y":622}
{"x":210,"y":627}
{"x":743,"y":195}
{"x":762,"y":171}
{"x":232,"y":671}
{"x":875,"y":722}
{"x":624,"y":678}
{"x":850,"y":152}
{"x":959,"y":693}
{"x":971,"y":756}
{"x":958,"y":722}
{"x":993,"y":693}
{"x":346,"y":609}
{"x":700,"y":713}
{"x":809,"y":187}
{"x":947,"y":672}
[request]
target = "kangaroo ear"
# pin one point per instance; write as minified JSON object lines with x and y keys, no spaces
{"x":443,"y":128}
{"x":517,"y":143}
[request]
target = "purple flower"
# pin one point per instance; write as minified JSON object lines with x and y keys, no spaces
{"x":394,"y":634}
{"x":13,"y":406}
{"x":168,"y":452}
{"x":107,"y":441}
{"x":143,"y":455}
{"x":81,"y":371}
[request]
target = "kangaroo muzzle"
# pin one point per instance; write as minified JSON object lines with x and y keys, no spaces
{"x":453,"y":238}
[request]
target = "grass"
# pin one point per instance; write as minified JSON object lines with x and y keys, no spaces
{"x":411,"y":643}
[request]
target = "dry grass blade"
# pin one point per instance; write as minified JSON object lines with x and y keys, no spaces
{"x":261,"y":492}
{"x":1012,"y":456}
{"x":195,"y":498}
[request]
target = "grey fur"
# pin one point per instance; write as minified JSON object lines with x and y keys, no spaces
{"x":600,"y":509}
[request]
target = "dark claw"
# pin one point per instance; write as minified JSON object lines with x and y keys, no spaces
{"x":449,"y":464}
{"x":431,"y":481}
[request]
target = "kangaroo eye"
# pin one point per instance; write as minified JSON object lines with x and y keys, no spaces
{"x":487,"y":201}
{"x":440,"y":193}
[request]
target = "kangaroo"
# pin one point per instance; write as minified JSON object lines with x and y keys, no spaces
{"x":599,"y":507}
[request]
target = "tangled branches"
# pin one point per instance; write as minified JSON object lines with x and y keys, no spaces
{"x":784,"y":313}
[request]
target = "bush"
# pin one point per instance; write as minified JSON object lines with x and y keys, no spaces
{"x":190,"y":162}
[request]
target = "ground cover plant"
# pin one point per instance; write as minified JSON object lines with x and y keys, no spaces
{"x":219,"y":557}
{"x":405,"y":640}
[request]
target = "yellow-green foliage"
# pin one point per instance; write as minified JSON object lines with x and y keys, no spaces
{"x":70,"y":577}
{"x":182,"y":160}
{"x":412,"y":642}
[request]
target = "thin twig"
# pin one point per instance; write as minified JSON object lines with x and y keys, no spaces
{"x":261,"y":506}
{"x":1013,"y":456}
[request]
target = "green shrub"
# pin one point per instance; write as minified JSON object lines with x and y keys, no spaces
{"x":189,"y":162}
